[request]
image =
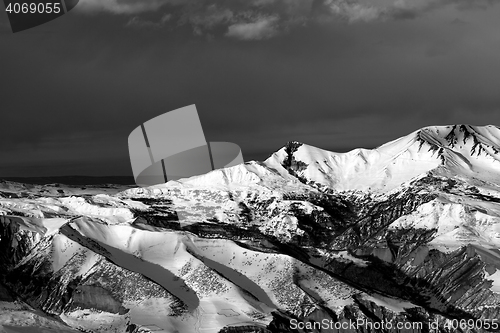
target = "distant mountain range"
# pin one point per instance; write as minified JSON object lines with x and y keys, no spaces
{"x":401,"y":238}
{"x":74,"y":180}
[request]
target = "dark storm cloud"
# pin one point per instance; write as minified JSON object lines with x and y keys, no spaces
{"x":263,"y":19}
{"x":406,"y":9}
{"x":243,"y":19}
{"x":72,"y":90}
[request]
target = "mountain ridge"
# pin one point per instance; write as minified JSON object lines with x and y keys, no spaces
{"x":463,"y":149}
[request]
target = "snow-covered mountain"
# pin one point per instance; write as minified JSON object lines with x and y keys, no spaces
{"x":408,"y":232}
{"x":471,"y":151}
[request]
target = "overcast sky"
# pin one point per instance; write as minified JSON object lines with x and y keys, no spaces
{"x":336,"y":74}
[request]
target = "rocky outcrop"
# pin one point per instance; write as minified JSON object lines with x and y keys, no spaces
{"x":15,"y":242}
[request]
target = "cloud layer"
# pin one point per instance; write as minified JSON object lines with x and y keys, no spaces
{"x":74,"y":89}
{"x":263,"y":19}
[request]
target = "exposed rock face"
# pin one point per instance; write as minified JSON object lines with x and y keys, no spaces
{"x":290,"y":163}
{"x":15,"y":242}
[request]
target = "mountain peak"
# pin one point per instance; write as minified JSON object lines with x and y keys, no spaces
{"x":293,"y":145}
